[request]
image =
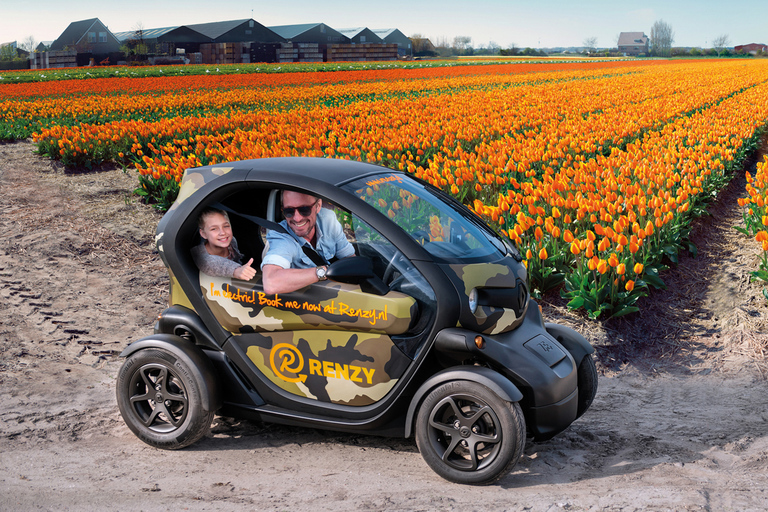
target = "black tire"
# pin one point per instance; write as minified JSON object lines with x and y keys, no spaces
{"x":160,"y":400}
{"x":468,"y":435}
{"x":587,"y":381}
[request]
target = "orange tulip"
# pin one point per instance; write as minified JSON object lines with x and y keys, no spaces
{"x":575,"y":248}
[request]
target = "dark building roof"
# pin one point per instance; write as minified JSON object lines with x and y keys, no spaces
{"x":236,"y":31}
{"x":310,"y":33}
{"x":165,"y":35}
{"x":149,"y":33}
{"x":361,"y":35}
{"x":216,"y":28}
{"x":87,"y":36}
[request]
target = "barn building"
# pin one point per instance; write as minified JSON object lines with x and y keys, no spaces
{"x":90,"y":36}
{"x":752,"y":48}
{"x":634,"y":43}
{"x":394,"y":36}
{"x":91,"y":40}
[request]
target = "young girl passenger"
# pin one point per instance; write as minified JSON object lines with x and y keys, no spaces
{"x":217,"y":254}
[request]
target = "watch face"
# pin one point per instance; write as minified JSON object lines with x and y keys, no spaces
{"x":321,"y":272}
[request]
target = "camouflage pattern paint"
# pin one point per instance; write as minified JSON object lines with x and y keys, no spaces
{"x":340,"y":367}
{"x":177,"y":295}
{"x":488,"y":319}
{"x":193,"y":179}
{"x":242,"y":306}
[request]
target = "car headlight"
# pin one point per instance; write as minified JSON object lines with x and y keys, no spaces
{"x":473,"y":300}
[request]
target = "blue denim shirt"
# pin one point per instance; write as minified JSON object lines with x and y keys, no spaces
{"x":285,"y":249}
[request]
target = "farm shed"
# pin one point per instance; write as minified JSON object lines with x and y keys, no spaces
{"x":634,"y":43}
{"x":237,"y":41}
{"x":361,"y":35}
{"x":87,"y":36}
{"x":752,"y":48}
{"x":394,"y":36}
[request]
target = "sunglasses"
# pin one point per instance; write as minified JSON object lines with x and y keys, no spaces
{"x":305,"y":211}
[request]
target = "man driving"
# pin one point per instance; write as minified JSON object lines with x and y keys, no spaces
{"x":286,"y":267}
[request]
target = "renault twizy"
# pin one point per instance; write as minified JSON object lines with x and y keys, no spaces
{"x":428,"y":330}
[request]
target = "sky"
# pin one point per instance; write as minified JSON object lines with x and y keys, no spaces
{"x":536,"y":24}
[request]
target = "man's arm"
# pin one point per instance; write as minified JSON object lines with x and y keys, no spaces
{"x":277,"y":279}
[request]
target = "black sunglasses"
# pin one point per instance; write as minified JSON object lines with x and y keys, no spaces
{"x":305,"y":211}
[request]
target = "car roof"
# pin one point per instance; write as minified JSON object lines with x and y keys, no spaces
{"x":312,"y":173}
{"x":332,"y":171}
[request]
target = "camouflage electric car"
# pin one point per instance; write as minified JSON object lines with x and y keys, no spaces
{"x":428,"y":330}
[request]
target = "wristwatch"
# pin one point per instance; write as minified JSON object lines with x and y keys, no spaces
{"x":320,"y":271}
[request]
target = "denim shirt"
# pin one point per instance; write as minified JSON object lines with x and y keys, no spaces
{"x":285,"y":248}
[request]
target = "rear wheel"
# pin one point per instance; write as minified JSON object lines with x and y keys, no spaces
{"x":467,"y":434}
{"x":160,"y":400}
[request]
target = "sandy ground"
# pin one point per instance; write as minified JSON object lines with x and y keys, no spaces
{"x":680,"y":421}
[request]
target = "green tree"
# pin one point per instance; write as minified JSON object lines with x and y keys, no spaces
{"x":8,"y":52}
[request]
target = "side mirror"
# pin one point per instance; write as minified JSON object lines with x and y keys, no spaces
{"x":357,"y":270}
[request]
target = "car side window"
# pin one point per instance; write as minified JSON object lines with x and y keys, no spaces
{"x":391,"y":265}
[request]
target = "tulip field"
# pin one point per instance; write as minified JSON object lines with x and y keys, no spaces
{"x":593,"y":169}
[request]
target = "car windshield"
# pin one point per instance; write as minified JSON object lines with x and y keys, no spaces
{"x":445,"y":228}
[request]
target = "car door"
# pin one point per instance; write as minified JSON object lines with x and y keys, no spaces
{"x":329,"y":342}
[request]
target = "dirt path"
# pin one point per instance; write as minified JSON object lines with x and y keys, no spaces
{"x":680,"y":421}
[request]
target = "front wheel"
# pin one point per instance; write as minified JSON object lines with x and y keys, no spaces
{"x":160,"y":400}
{"x":467,"y":434}
{"x":587,"y":382}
